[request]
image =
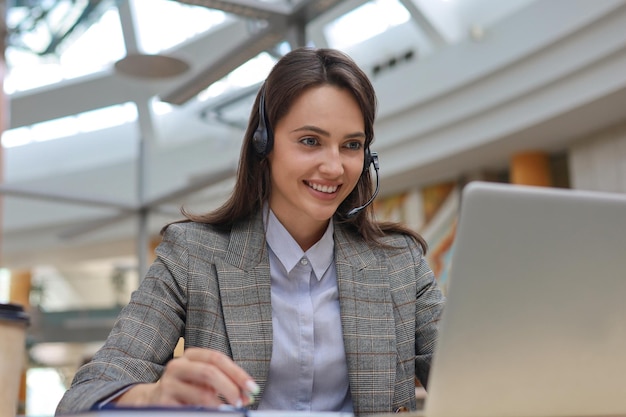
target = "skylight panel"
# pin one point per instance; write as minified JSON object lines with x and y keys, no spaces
{"x":95,"y":49}
{"x":163,"y":24}
{"x":71,"y":125}
{"x":365,"y":22}
{"x":252,"y":72}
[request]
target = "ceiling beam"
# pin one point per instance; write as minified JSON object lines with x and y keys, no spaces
{"x":424,"y":23}
{"x":108,"y":88}
{"x":225,"y":62}
{"x":23,"y":192}
{"x":282,"y":22}
{"x":129,"y":30}
{"x":250,"y":9}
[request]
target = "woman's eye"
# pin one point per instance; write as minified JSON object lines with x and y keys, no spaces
{"x":354,"y":145}
{"x":309,"y":141}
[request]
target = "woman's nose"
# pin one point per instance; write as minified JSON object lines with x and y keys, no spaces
{"x":332,"y":163}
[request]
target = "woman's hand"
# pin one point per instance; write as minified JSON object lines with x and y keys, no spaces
{"x":200,"y":377}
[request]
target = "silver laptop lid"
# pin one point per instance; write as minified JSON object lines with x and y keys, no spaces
{"x":535,"y":322}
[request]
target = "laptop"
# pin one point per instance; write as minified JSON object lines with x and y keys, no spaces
{"x":535,"y":322}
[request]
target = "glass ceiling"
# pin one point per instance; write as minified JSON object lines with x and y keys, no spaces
{"x":102,"y":43}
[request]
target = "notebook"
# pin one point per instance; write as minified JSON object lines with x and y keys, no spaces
{"x":535,"y":321}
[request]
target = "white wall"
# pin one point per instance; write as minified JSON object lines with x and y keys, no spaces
{"x":598,"y":162}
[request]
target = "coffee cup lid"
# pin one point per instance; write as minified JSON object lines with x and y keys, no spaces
{"x":13,"y":312}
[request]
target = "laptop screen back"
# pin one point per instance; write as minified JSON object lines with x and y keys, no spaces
{"x":535,"y":322}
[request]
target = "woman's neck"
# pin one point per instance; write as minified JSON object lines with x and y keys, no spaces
{"x":306,"y":234}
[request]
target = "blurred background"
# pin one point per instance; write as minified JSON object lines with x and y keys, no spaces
{"x":117,"y":112}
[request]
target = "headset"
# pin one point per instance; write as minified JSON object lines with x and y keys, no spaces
{"x":263,"y":137}
{"x":263,"y":141}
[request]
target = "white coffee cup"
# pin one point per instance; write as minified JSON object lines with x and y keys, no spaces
{"x":13,"y":323}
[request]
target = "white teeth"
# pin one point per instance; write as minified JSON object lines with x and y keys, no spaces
{"x":323,"y":188}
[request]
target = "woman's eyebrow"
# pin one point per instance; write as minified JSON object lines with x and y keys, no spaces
{"x":315,"y":129}
{"x":323,"y":132}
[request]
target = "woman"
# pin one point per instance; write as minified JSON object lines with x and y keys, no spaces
{"x":284,"y":300}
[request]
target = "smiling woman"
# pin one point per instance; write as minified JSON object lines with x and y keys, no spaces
{"x":285,"y":300}
{"x":457,"y":114}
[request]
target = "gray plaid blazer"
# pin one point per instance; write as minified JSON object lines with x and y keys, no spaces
{"x":213,"y":288}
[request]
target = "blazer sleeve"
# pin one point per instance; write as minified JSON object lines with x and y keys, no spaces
{"x":428,"y":309}
{"x":145,"y":334}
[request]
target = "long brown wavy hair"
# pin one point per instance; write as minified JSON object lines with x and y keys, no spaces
{"x":296,"y":72}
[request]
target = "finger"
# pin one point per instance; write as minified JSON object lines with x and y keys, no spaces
{"x":246,"y":385}
{"x":175,"y":392}
{"x":207,"y":369}
{"x":213,"y":378}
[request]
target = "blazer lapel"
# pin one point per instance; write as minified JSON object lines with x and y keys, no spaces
{"x":367,"y":319}
{"x":244,"y":280}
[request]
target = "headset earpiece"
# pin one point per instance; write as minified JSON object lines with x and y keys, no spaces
{"x":367,"y":160}
{"x":263,"y":138}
